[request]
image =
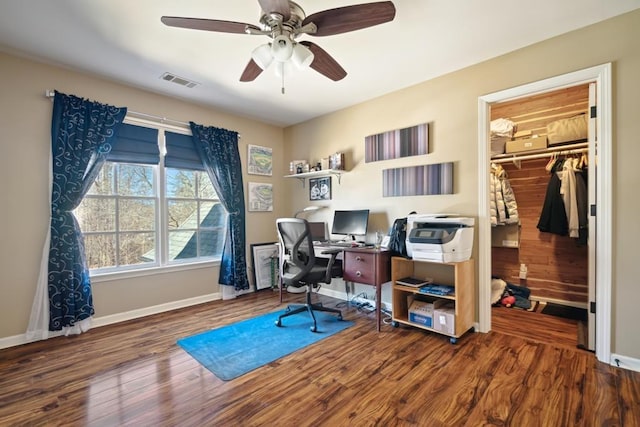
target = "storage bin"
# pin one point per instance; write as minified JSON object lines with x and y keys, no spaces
{"x":526,"y":144}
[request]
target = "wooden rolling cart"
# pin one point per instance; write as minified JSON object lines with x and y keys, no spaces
{"x":460,"y":275}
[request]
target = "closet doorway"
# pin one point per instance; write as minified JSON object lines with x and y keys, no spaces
{"x":539,"y":237}
{"x":566,"y":280}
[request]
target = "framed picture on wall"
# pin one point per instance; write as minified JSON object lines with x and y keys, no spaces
{"x":264,"y":258}
{"x":260,"y":197}
{"x":320,"y":188}
{"x":260,"y":160}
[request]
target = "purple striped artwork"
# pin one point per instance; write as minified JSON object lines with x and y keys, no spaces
{"x":411,"y":141}
{"x":418,"y":180}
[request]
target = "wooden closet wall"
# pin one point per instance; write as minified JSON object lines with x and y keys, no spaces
{"x":557,"y":266}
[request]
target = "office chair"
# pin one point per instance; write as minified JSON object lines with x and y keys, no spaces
{"x":300,"y":267}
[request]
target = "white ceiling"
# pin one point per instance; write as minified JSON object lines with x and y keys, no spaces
{"x":124,"y":40}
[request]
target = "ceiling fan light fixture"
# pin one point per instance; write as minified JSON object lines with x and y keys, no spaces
{"x":262,"y":56}
{"x":281,"y":48}
{"x":302,"y":56}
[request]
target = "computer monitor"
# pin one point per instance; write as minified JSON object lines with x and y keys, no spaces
{"x":350,"y":223}
{"x":318,"y":231}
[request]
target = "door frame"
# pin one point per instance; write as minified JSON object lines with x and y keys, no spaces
{"x":602,"y":146}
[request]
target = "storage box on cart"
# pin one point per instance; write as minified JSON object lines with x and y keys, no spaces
{"x":421,"y":312}
{"x":444,"y":319}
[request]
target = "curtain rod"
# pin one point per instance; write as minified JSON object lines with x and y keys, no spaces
{"x":51,"y":93}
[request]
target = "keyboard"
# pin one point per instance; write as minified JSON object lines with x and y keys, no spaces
{"x":343,"y":244}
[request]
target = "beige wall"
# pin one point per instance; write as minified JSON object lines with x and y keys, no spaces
{"x":450,"y":105}
{"x":25,"y":120}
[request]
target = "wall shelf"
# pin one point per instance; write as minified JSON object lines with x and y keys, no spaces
{"x":317,"y":174}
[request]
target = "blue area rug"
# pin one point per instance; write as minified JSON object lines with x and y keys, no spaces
{"x":234,"y":350}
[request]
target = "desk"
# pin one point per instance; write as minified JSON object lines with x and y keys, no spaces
{"x":368,"y":266}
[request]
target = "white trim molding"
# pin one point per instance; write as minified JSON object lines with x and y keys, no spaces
{"x":97,"y":322}
{"x":625,"y":362}
{"x":601,"y":75}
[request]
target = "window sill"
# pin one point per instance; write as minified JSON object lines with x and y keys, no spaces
{"x":152,"y":271}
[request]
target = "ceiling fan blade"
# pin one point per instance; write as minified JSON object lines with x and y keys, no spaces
{"x":280,"y":7}
{"x":324,"y":63}
{"x":208,"y":24}
{"x":351,"y":18}
{"x":251,"y":71}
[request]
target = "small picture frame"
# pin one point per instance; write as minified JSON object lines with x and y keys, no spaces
{"x":264,"y":258}
{"x":260,"y":197}
{"x":320,"y":188}
{"x":259,"y":160}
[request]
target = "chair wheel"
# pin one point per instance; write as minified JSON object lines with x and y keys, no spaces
{"x":395,"y":324}
{"x":278,"y":323}
{"x":314,"y":328}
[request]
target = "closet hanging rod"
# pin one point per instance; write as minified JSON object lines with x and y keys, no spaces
{"x":561,"y":152}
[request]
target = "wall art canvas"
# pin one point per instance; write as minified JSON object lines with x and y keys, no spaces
{"x":418,"y":180}
{"x":260,"y":197}
{"x":260,"y":160}
{"x":394,"y":144}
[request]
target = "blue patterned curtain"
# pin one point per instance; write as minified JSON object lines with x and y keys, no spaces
{"x":81,"y":135}
{"x":218,"y":149}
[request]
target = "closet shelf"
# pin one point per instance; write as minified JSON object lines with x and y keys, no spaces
{"x":538,"y":154}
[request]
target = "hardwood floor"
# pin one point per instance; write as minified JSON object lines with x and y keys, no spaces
{"x":535,"y":326}
{"x":134,"y":374}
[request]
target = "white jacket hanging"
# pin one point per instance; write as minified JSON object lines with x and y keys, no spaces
{"x":503,"y":206}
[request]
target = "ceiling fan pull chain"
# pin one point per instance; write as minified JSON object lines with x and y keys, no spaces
{"x":282,"y":76}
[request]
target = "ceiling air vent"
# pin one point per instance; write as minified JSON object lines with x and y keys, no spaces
{"x":178,"y":80}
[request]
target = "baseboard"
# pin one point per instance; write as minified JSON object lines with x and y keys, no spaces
{"x":155,"y":309}
{"x":625,"y":362}
{"x":122,"y":317}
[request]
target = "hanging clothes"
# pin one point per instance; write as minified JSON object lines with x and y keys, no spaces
{"x":564,"y":211}
{"x":568,"y":192}
{"x":503,"y":206}
{"x":553,"y":218}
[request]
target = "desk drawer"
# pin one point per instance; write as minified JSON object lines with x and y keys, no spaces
{"x":359,"y":267}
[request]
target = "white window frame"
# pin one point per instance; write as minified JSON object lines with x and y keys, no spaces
{"x":162,"y":264}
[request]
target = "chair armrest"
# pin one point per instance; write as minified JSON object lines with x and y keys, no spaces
{"x":334,"y":253}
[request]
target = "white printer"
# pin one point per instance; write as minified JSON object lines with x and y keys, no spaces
{"x":439,"y":237}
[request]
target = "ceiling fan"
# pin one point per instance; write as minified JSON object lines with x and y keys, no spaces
{"x":283,"y":21}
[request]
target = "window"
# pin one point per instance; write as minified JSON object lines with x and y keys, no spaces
{"x":140,"y":213}
{"x":118,"y":216}
{"x":195,"y":218}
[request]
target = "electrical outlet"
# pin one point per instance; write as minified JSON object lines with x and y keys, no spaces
{"x":523,"y":271}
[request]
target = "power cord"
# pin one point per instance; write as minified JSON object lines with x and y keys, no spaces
{"x":363,"y":306}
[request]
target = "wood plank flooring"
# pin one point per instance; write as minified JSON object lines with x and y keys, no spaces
{"x":134,"y":374}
